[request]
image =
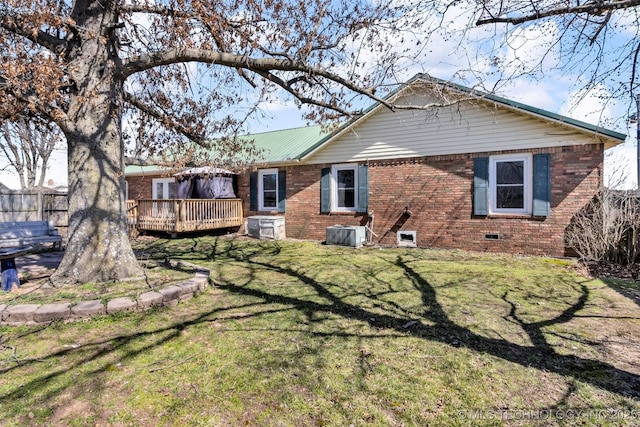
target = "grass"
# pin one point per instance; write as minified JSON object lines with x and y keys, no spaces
{"x":157,"y":275}
{"x":301,"y":334}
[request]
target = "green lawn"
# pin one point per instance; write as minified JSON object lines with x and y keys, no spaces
{"x":301,"y":334}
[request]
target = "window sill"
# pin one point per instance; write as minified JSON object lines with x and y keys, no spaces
{"x":351,"y":213}
{"x":515,"y":216}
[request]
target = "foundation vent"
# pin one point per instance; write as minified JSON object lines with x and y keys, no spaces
{"x":407,"y":239}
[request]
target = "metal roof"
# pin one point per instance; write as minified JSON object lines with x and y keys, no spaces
{"x":133,"y":170}
{"x":279,"y":146}
{"x":288,"y":144}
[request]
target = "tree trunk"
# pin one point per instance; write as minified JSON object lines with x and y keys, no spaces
{"x":98,"y":247}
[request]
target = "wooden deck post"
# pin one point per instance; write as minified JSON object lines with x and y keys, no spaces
{"x":181,"y":215}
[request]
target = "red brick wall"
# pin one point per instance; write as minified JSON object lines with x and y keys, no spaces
{"x":141,"y":187}
{"x":438,"y":192}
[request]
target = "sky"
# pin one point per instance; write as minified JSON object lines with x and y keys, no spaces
{"x":553,"y":89}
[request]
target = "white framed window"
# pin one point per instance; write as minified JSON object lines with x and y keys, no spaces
{"x":344,"y":188}
{"x":164,"y":188}
{"x":511,"y":184}
{"x":268,"y":189}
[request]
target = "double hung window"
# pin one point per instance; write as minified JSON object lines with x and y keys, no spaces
{"x":268,"y":189}
{"x":344,"y":187}
{"x":510,"y":184}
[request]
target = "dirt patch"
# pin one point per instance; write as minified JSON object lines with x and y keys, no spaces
{"x":611,"y":270}
{"x":74,"y":408}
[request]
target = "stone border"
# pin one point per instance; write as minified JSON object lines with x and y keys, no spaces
{"x":36,"y":314}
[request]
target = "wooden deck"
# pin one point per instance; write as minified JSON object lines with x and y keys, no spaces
{"x":184,"y":215}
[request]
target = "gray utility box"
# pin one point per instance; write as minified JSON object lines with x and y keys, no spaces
{"x":346,"y":235}
{"x":266,"y":227}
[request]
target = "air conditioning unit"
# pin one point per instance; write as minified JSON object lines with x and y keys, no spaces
{"x":346,"y":235}
{"x":266,"y":227}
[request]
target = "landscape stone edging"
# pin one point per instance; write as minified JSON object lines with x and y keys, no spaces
{"x":39,"y":314}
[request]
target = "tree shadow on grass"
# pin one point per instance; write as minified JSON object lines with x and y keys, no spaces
{"x":541,"y":355}
{"x":433,"y":325}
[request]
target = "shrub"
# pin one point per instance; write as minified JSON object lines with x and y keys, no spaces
{"x":606,"y":230}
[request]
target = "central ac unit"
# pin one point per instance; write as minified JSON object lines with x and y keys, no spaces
{"x":266,"y":227}
{"x":346,"y":235}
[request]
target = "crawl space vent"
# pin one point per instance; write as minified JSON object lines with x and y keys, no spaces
{"x":406,"y":239}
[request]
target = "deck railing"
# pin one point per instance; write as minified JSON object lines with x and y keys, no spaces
{"x":132,"y":212}
{"x":183,"y":215}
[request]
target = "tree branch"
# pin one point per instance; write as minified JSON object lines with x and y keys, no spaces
{"x":164,"y":118}
{"x":16,"y":25}
{"x":156,"y":10}
{"x":31,"y":99}
{"x":259,"y":65}
{"x":305,"y":100}
{"x":592,"y":8}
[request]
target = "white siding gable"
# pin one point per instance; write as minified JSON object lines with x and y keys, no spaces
{"x":469,"y":127}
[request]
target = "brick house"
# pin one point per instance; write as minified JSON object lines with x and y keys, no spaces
{"x":481,"y":173}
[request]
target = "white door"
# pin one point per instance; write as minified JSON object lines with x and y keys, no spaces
{"x":164,"y":188}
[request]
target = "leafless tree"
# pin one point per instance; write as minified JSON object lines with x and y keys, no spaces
{"x":608,"y":228}
{"x":591,"y":44}
{"x":28,"y":146}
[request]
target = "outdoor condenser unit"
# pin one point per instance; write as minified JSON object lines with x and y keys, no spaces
{"x":266,"y":227}
{"x":346,"y":235}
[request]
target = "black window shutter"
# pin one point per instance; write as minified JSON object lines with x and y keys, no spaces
{"x":325,"y":190}
{"x":363,"y":188}
{"x":253,"y":191}
{"x":282,"y":190}
{"x":481,"y":186}
{"x":542,"y":184}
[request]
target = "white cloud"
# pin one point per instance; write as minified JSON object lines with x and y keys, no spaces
{"x":592,"y":106}
{"x":621,"y":166}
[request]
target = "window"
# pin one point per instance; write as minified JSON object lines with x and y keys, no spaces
{"x":344,"y":184}
{"x":344,"y":188}
{"x":164,"y":188}
{"x":512,"y":184}
{"x":268,"y":189}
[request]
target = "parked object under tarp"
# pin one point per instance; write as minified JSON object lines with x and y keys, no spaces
{"x":206,"y":183}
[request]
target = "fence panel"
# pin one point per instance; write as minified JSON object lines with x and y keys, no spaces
{"x":34,"y":206}
{"x":20,"y":207}
{"x":56,"y":209}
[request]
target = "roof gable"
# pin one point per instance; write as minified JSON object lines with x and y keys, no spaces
{"x":474,"y":122}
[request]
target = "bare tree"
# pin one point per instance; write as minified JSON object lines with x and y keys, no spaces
{"x":28,"y":146}
{"x":182,"y":73}
{"x":595,"y":43}
{"x":608,"y":228}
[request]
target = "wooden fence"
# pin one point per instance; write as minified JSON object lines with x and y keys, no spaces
{"x":34,"y":206}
